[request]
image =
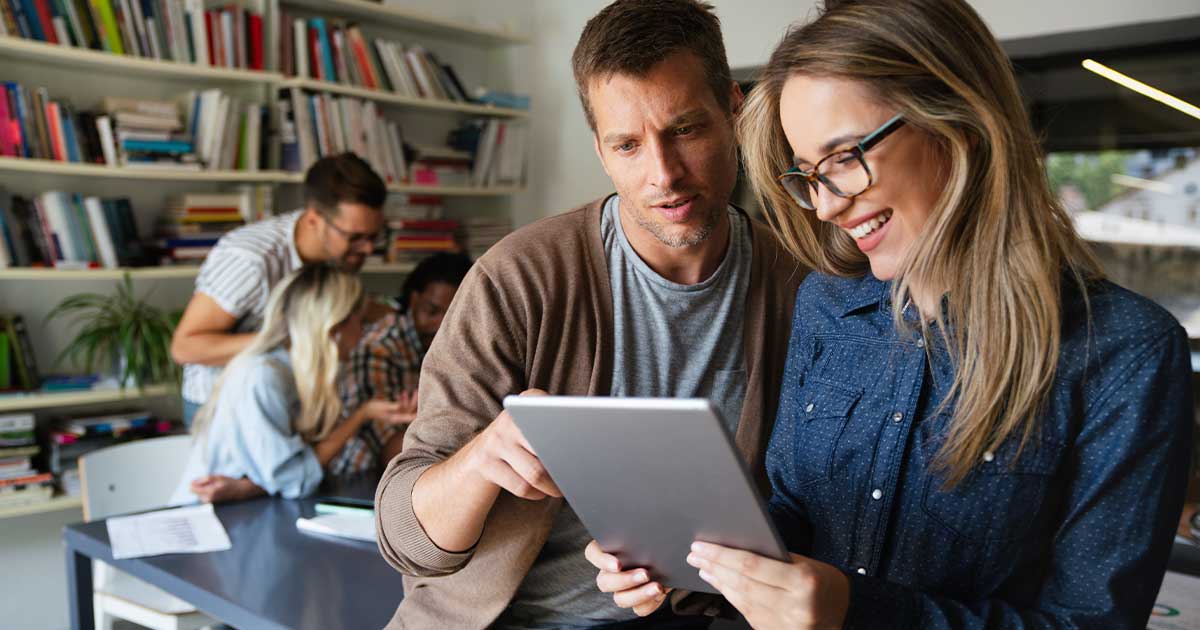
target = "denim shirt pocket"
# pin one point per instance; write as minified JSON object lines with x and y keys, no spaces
{"x":1001,"y":499}
{"x":820,"y":417}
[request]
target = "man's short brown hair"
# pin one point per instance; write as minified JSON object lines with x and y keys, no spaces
{"x":631,"y":36}
{"x":344,"y":178}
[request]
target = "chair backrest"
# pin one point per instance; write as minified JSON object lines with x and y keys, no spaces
{"x":132,"y":477}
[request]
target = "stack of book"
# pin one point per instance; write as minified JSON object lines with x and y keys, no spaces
{"x":60,"y":229}
{"x":414,"y":207}
{"x":214,"y":130}
{"x":20,"y":482}
{"x":441,"y":166}
{"x":498,"y":148}
{"x":339,"y":53}
{"x":414,"y":239}
{"x":228,"y":134}
{"x":314,"y":125}
{"x":169,"y":30}
{"x":18,"y":368}
{"x":194,"y":222}
{"x":148,"y":133}
{"x":479,"y":234}
{"x":34,"y":126}
{"x":75,"y":436}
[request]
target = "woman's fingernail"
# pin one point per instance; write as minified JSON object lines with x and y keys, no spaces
{"x":693,"y":559}
{"x":641,"y":576}
{"x":651,"y":590}
{"x":705,"y":576}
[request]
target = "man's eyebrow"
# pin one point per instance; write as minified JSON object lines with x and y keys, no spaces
{"x":832,"y":144}
{"x":690,"y":116}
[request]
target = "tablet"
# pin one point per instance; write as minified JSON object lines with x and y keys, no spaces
{"x":647,"y":476}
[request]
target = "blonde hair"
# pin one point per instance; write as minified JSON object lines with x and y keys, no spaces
{"x":302,"y":312}
{"x":997,"y":241}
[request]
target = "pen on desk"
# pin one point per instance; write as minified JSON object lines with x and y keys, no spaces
{"x":334,"y":508}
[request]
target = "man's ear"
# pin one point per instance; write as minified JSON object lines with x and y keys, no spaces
{"x":736,"y":98}
{"x":599,"y":154}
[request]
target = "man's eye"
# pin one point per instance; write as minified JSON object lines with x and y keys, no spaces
{"x":625,"y":148}
{"x":683,"y":131}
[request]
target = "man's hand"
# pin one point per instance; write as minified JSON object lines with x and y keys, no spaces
{"x":631,"y":588}
{"x":219,"y":489}
{"x":502,"y":456}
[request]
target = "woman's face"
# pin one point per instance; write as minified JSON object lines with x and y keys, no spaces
{"x":347,"y":333}
{"x":821,"y":115}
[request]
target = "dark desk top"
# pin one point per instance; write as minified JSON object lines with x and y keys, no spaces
{"x":274,"y":576}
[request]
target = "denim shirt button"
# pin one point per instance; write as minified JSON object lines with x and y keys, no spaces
{"x":809,"y":408}
{"x":877,"y":494}
{"x":897,"y":417}
{"x":920,"y":342}
{"x":988,"y":456}
{"x":862,"y":570}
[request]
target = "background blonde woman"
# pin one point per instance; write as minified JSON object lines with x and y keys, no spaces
{"x":271,"y":425}
{"x":975,"y":430}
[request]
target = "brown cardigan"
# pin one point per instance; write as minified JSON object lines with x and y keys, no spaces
{"x":536,"y":312}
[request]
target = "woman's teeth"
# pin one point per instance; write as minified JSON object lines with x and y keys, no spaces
{"x":864,"y":229}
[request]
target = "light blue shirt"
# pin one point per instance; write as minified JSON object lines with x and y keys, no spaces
{"x":251,"y":433}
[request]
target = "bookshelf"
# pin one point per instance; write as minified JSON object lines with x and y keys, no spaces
{"x":79,"y":169}
{"x":400,"y":100}
{"x":154,"y":273}
{"x":396,"y":17}
{"x":15,"y":48}
{"x":56,"y":504}
{"x":44,"y":400}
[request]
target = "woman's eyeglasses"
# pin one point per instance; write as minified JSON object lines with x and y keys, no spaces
{"x":844,"y":173}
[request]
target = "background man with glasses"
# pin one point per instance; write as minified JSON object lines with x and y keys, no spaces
{"x":341,"y":224}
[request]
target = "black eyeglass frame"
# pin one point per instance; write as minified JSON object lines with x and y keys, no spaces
{"x":813,"y":176}
{"x":378,"y":240}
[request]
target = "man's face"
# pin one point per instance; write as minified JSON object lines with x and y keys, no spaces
{"x":668,"y":147}
{"x":349,"y":236}
{"x":428,"y":308}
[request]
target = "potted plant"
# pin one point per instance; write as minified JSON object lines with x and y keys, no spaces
{"x":124,"y":330}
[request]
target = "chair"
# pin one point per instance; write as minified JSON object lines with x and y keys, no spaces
{"x":134,"y":477}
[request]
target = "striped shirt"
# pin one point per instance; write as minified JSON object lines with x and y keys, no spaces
{"x":385,"y":363}
{"x":238,"y":275}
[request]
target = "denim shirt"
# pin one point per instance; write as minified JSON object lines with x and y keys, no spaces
{"x":1075,"y":532}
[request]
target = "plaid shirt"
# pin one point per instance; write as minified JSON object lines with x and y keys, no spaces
{"x":385,"y":363}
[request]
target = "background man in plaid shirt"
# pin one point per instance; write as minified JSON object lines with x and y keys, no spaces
{"x":387,"y":361}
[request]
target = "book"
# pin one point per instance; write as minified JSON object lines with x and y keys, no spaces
{"x":16,"y":422}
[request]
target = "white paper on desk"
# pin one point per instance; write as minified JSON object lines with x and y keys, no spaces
{"x":193,"y":529}
{"x":1178,"y":604}
{"x":341,"y":525}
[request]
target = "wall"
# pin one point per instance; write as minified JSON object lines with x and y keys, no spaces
{"x":564,"y":169}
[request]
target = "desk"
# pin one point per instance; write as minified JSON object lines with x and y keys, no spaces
{"x":274,"y":576}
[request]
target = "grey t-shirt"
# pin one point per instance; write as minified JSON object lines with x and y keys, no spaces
{"x":670,"y":341}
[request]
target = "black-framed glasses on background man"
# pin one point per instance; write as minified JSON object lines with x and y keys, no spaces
{"x":377,"y":240}
{"x":845,"y":173}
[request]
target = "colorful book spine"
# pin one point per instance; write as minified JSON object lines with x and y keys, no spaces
{"x":108,"y":24}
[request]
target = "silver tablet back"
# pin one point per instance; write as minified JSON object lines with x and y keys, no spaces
{"x":647,"y":476}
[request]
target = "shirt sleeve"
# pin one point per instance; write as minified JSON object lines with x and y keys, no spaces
{"x":1128,"y":475}
{"x":234,"y":280}
{"x":278,"y":459}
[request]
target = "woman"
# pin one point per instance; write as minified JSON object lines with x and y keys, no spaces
{"x":269,"y":427}
{"x":387,"y":362}
{"x":975,"y":429}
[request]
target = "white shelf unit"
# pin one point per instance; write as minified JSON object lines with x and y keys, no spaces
{"x":153,"y":273}
{"x":391,"y":98}
{"x":53,"y":400}
{"x":396,"y":17}
{"x":55,"y":504}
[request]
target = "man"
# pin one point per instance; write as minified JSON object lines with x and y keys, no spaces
{"x":660,"y":290}
{"x":341,"y":223}
{"x":387,"y":362}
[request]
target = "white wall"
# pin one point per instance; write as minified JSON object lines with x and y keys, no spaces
{"x":564,"y":169}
